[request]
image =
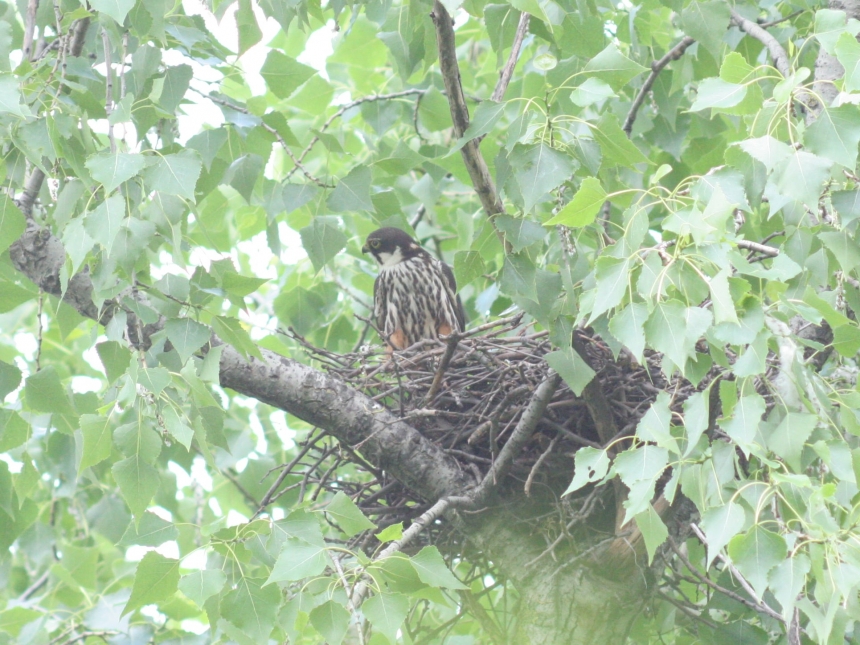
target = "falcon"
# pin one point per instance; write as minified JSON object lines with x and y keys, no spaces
{"x":415,"y":295}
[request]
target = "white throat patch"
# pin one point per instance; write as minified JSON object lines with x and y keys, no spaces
{"x":388,"y":260}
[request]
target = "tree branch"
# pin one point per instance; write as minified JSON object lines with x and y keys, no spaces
{"x":777,"y":52}
{"x":656,"y":67}
{"x":521,"y":434}
{"x":471,"y":152}
{"x":508,"y":70}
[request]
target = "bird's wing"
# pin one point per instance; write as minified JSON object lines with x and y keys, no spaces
{"x":451,"y":283}
{"x":378,"y":307}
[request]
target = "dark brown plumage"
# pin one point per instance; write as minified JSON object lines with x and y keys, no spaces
{"x":415,"y":295}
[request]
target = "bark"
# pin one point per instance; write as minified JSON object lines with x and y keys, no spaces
{"x":827,"y":68}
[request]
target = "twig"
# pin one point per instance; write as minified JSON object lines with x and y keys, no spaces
{"x":453,"y":339}
{"x":656,"y":67}
{"x":108,"y":88}
{"x":352,"y":607}
{"x":418,"y":525}
{"x":546,"y":453}
{"x":508,"y":69}
{"x":267,"y":498}
{"x":38,"y":584}
{"x":521,"y":434}
{"x":755,"y":246}
{"x":755,"y":603}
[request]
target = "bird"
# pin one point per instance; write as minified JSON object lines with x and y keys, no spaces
{"x":414,"y":295}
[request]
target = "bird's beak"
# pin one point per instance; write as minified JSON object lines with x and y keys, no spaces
{"x":365,"y":249}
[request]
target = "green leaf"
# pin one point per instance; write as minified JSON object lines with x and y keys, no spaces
{"x":202,"y":585}
{"x":571,"y":367}
{"x":352,"y":192}
{"x":13,"y":620}
{"x":43,"y":392}
{"x":743,"y":424}
{"x":627,"y":326}
{"x":10,"y":96}
{"x":468,"y":265}
{"x":843,"y":247}
{"x":830,"y":24}
{"x":12,"y":222}
{"x":244,"y":173}
{"x":846,"y":340}
{"x":593,"y":90}
{"x":174,"y":174}
{"x":347,"y":515}
{"x":613,"y":67}
{"x":717,"y":93}
{"x":612,"y":276}
{"x":298,"y":559}
{"x":246,"y":24}
{"x":788,"y":437}
{"x":835,"y":135}
{"x":156,"y":579}
{"x":115,"y":358}
{"x":252,"y":607}
{"x":116,"y":9}
{"x":137,"y":482}
{"x":518,"y":277}
{"x":848,"y":53}
{"x":283,"y":75}
{"x":14,"y":431}
{"x":707,"y":23}
{"x":654,"y":425}
{"x":97,"y":434}
{"x":723,"y":305}
{"x":653,"y":530}
{"x":10,"y":379}
{"x":539,"y":169}
{"x":231,"y":331}
{"x":720,"y":525}
{"x":386,"y":612}
{"x":150,"y":531}
{"x":644,"y":463}
{"x":755,"y":553}
{"x":331,"y":621}
{"x":674,"y":330}
{"x":186,"y":336}
{"x":617,"y":149}
{"x":111,"y":170}
{"x":584,"y":207}
{"x":483,"y":120}
{"x":322,"y":240}
{"x":696,"y":418}
{"x":787,"y":581}
{"x":102,"y":224}
{"x":519,"y":232}
{"x":433,"y":571}
{"x":590,"y":465}
{"x":801,"y":176}
{"x":390,"y":533}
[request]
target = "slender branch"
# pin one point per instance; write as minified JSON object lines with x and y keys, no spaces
{"x":755,"y":246}
{"x":453,"y":339}
{"x":30,"y":29}
{"x":418,"y":525}
{"x":479,"y":173}
{"x":756,"y":604}
{"x":508,"y":70}
{"x":521,"y":434}
{"x":656,"y":67}
{"x":108,"y":88}
{"x":777,"y":52}
{"x":546,"y":453}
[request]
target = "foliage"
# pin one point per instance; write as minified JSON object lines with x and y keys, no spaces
{"x":713,"y":222}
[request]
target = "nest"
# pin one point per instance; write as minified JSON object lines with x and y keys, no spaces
{"x":467,"y":395}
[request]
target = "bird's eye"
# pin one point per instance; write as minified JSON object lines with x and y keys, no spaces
{"x":374,"y":244}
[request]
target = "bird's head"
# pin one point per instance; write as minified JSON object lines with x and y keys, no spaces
{"x":390,"y":246}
